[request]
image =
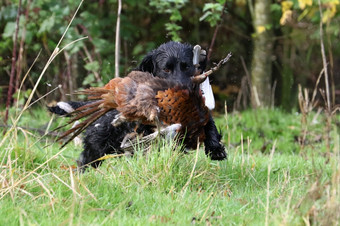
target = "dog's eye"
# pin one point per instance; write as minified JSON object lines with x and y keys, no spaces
{"x":184,"y":66}
{"x":167,"y":70}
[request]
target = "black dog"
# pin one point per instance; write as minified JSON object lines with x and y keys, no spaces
{"x":171,"y":60}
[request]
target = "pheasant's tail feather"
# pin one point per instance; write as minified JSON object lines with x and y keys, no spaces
{"x":92,"y":114}
{"x":84,"y":111}
{"x":89,"y":105}
{"x":103,"y":100}
{"x":93,"y":93}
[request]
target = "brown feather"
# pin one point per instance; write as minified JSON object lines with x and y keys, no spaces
{"x":80,"y":127}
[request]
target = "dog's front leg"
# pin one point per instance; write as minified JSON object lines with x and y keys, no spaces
{"x":213,"y":146}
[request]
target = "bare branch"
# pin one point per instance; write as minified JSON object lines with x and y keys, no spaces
{"x":14,"y":58}
{"x":215,"y":33}
{"x":117,"y":39}
{"x":324,"y":60}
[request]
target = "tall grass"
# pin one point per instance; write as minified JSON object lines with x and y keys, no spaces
{"x":256,"y":185}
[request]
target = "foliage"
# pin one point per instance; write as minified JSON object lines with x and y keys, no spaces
{"x":308,"y":9}
{"x":171,"y":7}
{"x":146,"y":24}
{"x":212,"y":12}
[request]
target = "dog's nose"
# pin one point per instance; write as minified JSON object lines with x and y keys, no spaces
{"x":183,"y":79}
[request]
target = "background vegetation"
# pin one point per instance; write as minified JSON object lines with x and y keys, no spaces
{"x":293,"y":29}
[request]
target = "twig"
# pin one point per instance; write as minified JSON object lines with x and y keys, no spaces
{"x":200,"y":78}
{"x":86,"y":32}
{"x":21,"y":50}
{"x":316,"y":88}
{"x":246,"y":87}
{"x":273,"y":94}
{"x":46,"y":94}
{"x":324,"y":60}
{"x":246,"y":71}
{"x":89,"y":57}
{"x":117,"y":39}
{"x":40,"y":131}
{"x":14,"y":58}
{"x":215,"y":33}
{"x":328,"y":101}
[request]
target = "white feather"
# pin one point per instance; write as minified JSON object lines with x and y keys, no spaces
{"x":65,"y":106}
{"x":77,"y":140}
{"x":208,"y":94}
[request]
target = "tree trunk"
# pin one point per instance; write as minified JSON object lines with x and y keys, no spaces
{"x":261,"y":69}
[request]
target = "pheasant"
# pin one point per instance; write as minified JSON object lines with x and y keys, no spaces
{"x":146,"y":99}
{"x":149,"y":100}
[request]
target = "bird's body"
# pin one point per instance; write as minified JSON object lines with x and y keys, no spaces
{"x":144,"y":98}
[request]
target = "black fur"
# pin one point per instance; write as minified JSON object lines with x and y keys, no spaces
{"x":171,"y":60}
{"x":102,"y":138}
{"x":57,"y":109}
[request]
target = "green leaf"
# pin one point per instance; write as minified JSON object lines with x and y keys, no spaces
{"x":93,"y":66}
{"x":137,"y":49}
{"x":47,"y":25}
{"x":172,"y":27}
{"x":212,"y":6}
{"x":275,"y":8}
{"x":205,"y":15}
{"x":176,"y":16}
{"x":89,"y":79}
{"x":9,"y":30}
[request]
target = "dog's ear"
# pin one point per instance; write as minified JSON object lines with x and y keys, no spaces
{"x":147,"y":63}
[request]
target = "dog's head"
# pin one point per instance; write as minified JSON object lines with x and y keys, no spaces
{"x":172,"y":60}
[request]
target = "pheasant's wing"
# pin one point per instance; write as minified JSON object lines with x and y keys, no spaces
{"x":129,"y":95}
{"x":103,"y":100}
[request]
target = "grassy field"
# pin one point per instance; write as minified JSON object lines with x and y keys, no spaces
{"x":279,"y":171}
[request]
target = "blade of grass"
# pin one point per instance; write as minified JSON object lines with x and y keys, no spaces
{"x":268,"y":183}
{"x":5,"y":192}
{"x":192,"y":171}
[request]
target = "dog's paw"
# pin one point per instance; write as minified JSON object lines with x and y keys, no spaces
{"x":217,"y":153}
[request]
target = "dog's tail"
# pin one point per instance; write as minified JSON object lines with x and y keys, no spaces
{"x":65,"y":108}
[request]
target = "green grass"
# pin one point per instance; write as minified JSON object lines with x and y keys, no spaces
{"x":38,"y":185}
